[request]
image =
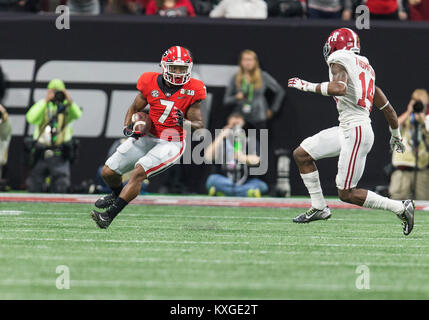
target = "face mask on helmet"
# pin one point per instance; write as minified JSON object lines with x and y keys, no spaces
{"x":176,"y":74}
{"x":326,"y":51}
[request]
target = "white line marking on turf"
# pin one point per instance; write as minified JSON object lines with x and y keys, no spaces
{"x":189,"y":242}
{"x":211,"y":261}
{"x":10,"y":212}
{"x":281,"y":285}
{"x":232,"y":251}
{"x":218,"y":234}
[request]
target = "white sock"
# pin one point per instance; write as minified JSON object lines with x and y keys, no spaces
{"x":375,"y":201}
{"x":312,"y":182}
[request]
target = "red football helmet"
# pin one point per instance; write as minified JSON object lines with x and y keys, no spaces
{"x":341,"y":39}
{"x":176,"y":65}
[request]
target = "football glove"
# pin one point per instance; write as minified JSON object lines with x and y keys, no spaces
{"x":396,"y":144}
{"x":302,"y":85}
{"x":129,"y":132}
{"x":179,"y":117}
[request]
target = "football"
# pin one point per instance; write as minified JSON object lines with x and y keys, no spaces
{"x":141,"y":122}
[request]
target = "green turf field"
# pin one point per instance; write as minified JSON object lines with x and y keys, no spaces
{"x":159,"y":252}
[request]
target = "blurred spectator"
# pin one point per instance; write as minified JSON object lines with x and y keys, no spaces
{"x":419,"y":10}
{"x":247,"y":88}
{"x":387,"y":9}
{"x":170,"y":8}
{"x":330,"y":9}
{"x":286,"y":8}
{"x":233,"y":177}
{"x":84,"y":7}
{"x":5,"y":136}
{"x":20,"y":5}
{"x":127,"y":6}
{"x":236,"y":9}
{"x":52,"y":147}
{"x":2,"y":85}
{"x":51,"y":5}
{"x":203,"y":7}
{"x":411,"y":176}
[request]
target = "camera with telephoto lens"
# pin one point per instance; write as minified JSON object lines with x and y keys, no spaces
{"x":418,"y":107}
{"x":58,"y":98}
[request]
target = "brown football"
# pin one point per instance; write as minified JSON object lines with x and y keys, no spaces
{"x":141,"y":122}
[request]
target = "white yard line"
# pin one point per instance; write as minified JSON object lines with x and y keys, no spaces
{"x":10,"y":212}
{"x":283,"y":286}
{"x":189,"y":242}
{"x":317,"y":252}
{"x":209,"y":261}
{"x":221,"y":235}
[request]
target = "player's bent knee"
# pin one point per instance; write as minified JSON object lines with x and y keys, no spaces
{"x":139,"y":174}
{"x":107,"y":172}
{"x":345,"y":195}
{"x":301,"y":156}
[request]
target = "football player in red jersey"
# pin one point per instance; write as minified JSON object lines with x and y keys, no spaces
{"x":174,"y":98}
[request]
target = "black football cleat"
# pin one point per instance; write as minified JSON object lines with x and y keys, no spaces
{"x":407,"y":217}
{"x":313,"y":214}
{"x":102,"y":219}
{"x":106,"y":201}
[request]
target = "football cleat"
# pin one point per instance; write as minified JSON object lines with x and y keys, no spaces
{"x":407,"y":217}
{"x":102,"y":219}
{"x":313,"y":214}
{"x":106,"y":201}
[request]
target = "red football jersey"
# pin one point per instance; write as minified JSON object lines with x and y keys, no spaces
{"x":162,"y":103}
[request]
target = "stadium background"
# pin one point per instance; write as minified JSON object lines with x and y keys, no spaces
{"x":286,"y":48}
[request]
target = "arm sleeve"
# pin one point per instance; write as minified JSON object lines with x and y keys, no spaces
{"x":35,"y":114}
{"x":279,"y":92}
{"x":200,"y":94}
{"x":142,"y":83}
{"x":342,"y":59}
{"x":230,"y":93}
{"x":75,"y":112}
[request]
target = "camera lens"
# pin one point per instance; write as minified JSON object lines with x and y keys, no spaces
{"x":418,"y":107}
{"x":59,"y":96}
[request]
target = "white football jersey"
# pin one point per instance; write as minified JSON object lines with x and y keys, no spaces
{"x":356,"y":105}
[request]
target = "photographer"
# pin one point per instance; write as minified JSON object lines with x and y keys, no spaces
{"x":411,"y":175}
{"x":51,"y":148}
{"x":5,"y":136}
{"x":228,"y":148}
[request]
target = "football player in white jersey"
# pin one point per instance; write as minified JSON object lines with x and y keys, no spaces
{"x":352,"y":85}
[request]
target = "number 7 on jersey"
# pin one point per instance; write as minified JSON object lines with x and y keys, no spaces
{"x":168,"y":106}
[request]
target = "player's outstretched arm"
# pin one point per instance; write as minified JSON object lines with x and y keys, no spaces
{"x":381,"y":102}
{"x":336,"y":87}
{"x":195,"y":116}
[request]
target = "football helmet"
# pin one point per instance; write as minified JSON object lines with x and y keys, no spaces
{"x":176,"y":64}
{"x":341,"y":39}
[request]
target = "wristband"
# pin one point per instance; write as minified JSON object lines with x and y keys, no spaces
{"x":396,"y":132}
{"x":324,"y":88}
